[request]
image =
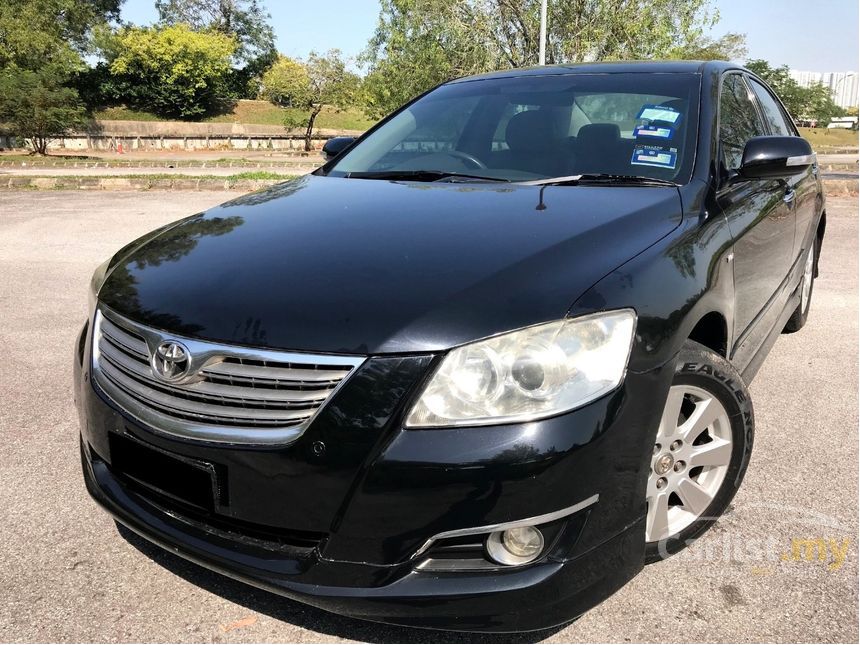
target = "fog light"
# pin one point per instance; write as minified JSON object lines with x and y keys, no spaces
{"x":519,"y":545}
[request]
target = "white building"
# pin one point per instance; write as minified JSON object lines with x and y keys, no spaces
{"x":844,"y":85}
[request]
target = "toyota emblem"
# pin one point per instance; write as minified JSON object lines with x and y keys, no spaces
{"x":171,"y":361}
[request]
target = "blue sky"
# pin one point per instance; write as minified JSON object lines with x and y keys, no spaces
{"x":814,"y":36}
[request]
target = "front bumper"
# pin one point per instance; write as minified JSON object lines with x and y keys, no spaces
{"x":525,"y":599}
{"x":376,"y":495}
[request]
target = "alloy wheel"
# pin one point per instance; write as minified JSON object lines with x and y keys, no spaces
{"x":691,"y":457}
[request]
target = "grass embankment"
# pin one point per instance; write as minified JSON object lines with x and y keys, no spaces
{"x":257,"y":113}
{"x":823,"y":139}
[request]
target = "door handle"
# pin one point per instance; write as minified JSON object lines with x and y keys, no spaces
{"x":789,"y":196}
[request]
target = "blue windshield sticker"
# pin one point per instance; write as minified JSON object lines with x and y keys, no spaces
{"x":659,"y":113}
{"x":654,"y":156}
{"x":654,"y":131}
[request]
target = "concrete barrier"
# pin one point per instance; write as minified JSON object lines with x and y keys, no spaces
{"x":180,"y":135}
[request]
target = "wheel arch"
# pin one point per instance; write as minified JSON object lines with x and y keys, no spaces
{"x":712,"y":331}
{"x":819,"y":238}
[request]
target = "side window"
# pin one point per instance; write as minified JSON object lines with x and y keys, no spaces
{"x":773,"y":114}
{"x":739,"y":120}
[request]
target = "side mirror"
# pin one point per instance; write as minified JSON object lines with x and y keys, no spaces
{"x":775,"y":157}
{"x":334,"y":146}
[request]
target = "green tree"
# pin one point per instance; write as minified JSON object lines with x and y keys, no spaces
{"x":819,"y":105}
{"x":787,"y":89}
{"x":730,"y":46}
{"x":41,"y":47}
{"x":38,"y":106}
{"x":813,"y":103}
{"x":34,"y":33}
{"x":245,"y":20}
{"x":285,"y":83}
{"x":309,"y":86}
{"x":420,"y":43}
{"x":416,"y":46}
{"x":172,"y":71}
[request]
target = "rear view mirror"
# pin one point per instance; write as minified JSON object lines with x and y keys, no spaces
{"x":334,"y":146}
{"x":774,"y":157}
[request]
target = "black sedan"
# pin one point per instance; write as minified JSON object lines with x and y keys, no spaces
{"x":480,"y":367}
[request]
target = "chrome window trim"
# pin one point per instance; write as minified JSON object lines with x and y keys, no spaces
{"x":202,"y":354}
{"x":490,"y":528}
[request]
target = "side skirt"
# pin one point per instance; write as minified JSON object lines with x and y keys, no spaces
{"x":757,"y":359}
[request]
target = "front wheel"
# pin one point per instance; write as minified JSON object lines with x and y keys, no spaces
{"x":701,"y":451}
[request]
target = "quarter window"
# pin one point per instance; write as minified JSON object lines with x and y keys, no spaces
{"x":773,"y":114}
{"x":739,"y":120}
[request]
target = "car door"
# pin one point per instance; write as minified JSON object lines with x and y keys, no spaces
{"x":760,"y":216}
{"x":804,"y":186}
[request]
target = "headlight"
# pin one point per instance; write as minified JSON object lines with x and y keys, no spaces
{"x":528,"y":374}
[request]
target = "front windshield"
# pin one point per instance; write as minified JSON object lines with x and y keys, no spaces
{"x":535,"y":127}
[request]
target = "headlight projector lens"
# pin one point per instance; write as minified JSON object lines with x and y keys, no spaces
{"x":515,"y":546}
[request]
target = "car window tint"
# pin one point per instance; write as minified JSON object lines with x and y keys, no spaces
{"x":440,"y":130}
{"x":739,"y":120}
{"x":773,"y":114}
{"x":622,"y":109}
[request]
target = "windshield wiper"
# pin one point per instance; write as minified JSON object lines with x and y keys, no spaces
{"x":600,"y":178}
{"x":419,"y":175}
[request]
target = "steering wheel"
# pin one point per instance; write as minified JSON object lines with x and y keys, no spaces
{"x":470,"y":159}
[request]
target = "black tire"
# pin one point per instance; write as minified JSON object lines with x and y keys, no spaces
{"x":798,"y":318}
{"x":700,"y":367}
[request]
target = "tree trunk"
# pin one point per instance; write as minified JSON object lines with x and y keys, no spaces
{"x":40,"y":144}
{"x":310,"y":129}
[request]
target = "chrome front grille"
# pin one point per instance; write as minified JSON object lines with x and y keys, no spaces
{"x":227,"y":393}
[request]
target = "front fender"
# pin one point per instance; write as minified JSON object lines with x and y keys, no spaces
{"x":672,"y":286}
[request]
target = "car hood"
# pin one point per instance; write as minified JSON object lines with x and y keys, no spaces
{"x":360,"y":266}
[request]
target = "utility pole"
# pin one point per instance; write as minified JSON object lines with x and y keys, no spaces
{"x":542,"y":55}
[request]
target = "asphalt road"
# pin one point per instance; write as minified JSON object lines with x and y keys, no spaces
{"x":66,"y":574}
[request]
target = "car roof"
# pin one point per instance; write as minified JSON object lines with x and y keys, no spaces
{"x":619,"y":67}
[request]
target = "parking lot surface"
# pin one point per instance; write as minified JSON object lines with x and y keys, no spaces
{"x":782,"y":566}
